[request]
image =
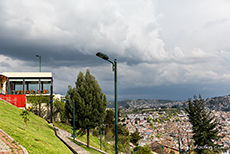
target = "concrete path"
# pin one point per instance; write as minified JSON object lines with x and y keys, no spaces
{"x":9,"y":146}
{"x":64,"y":136}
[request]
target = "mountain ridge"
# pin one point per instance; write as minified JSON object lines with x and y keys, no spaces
{"x":218,"y":103}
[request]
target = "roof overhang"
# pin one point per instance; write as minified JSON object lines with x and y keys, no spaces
{"x":28,"y":74}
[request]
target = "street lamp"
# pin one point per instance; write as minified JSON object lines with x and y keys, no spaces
{"x":74,"y":131}
{"x":40,"y":58}
{"x":105,"y":57}
{"x":178,"y":140}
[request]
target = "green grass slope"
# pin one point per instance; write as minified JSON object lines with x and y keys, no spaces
{"x":38,"y":138}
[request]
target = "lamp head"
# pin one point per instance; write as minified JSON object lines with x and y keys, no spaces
{"x":102,"y":55}
{"x":37,"y":56}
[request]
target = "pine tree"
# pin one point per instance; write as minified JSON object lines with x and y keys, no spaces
{"x":109,"y":119}
{"x":204,"y":126}
{"x":90,"y":103}
{"x":135,"y":137}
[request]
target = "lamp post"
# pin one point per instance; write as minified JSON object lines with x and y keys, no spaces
{"x":105,"y":57}
{"x":178,"y":140}
{"x":74,"y":132}
{"x":40,"y":58}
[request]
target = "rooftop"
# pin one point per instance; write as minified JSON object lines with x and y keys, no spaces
{"x":27,"y":74}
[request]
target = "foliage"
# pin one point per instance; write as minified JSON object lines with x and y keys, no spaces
{"x":120,"y":147}
{"x":137,"y":148}
{"x":59,"y":108}
{"x":142,"y":150}
{"x":159,"y":135}
{"x":135,"y":137}
{"x":204,"y":125}
{"x":122,"y":130}
{"x":172,"y":152}
{"x":123,"y":137}
{"x":95,"y":133}
{"x":36,"y":101}
{"x":90,"y":103}
{"x":124,"y":140}
{"x":109,"y":119}
{"x":25,"y":117}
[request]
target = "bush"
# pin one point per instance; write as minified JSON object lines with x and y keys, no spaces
{"x":172,"y":152}
{"x":96,"y":133}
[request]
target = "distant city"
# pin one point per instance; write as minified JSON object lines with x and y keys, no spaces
{"x":141,"y":112}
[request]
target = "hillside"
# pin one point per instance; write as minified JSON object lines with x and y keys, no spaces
{"x":38,"y":138}
{"x":219,"y":103}
{"x":141,"y":103}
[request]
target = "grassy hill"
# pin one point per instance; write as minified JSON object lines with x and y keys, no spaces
{"x":38,"y":138}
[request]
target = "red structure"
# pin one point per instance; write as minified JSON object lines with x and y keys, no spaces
{"x":16,"y":100}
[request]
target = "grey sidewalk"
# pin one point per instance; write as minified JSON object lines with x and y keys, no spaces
{"x":65,"y":136}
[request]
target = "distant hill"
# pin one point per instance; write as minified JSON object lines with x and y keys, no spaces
{"x":220,"y":103}
{"x":142,"y":103}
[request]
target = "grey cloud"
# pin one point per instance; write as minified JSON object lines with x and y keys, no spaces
{"x":162,"y":48}
{"x":4,"y":64}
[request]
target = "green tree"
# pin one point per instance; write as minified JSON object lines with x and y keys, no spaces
{"x":90,"y":103}
{"x":37,"y":100}
{"x":123,"y":137}
{"x":204,"y":125}
{"x":122,"y":130}
{"x":109,"y":119}
{"x":142,"y":150}
{"x":135,"y":137}
{"x":59,"y":107}
{"x":25,"y":117}
{"x":172,"y":152}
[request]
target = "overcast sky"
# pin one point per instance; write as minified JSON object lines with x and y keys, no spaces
{"x":165,"y":49}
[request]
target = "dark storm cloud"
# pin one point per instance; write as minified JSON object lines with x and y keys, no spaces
{"x":157,"y":46}
{"x":53,"y":55}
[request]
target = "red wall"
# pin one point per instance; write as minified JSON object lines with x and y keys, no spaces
{"x":16,"y":100}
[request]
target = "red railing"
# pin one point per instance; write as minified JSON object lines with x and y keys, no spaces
{"x":16,"y":100}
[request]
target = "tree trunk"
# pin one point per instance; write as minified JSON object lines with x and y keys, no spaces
{"x":39,"y":109}
{"x":87,"y":137}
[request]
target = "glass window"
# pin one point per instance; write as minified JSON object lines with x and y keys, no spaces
{"x":33,"y":87}
{"x":46,"y":87}
{"x":18,"y":88}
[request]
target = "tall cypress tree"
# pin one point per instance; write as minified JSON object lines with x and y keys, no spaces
{"x":204,"y":126}
{"x":90,"y":103}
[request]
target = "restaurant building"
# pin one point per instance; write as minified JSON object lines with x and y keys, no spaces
{"x":26,"y":82}
{"x":16,"y":86}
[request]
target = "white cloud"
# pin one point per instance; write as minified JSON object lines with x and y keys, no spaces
{"x":116,"y":27}
{"x":195,"y":24}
